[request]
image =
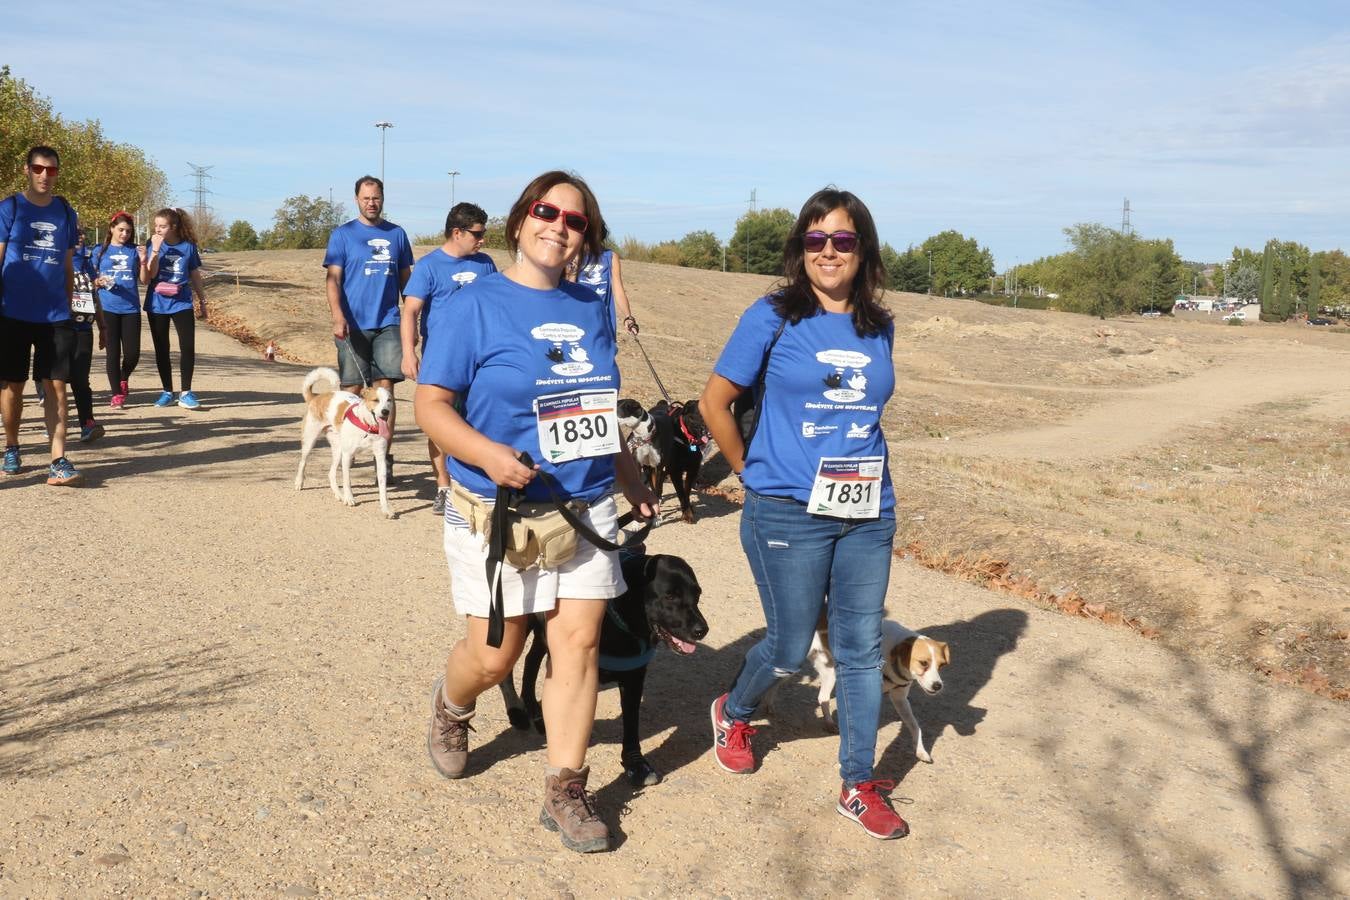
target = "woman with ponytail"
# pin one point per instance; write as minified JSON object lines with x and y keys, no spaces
{"x":117,"y":267}
{"x":172,"y":274}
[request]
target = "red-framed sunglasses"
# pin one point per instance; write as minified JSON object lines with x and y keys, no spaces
{"x":37,"y":169}
{"x":547,"y":212}
{"x":844,"y":241}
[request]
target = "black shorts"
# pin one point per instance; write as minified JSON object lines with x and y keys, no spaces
{"x":43,"y":348}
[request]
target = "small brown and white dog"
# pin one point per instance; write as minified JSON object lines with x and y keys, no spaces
{"x":907,"y":658}
{"x":351,"y":422}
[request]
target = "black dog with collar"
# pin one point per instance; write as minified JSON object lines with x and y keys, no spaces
{"x":660,"y":606}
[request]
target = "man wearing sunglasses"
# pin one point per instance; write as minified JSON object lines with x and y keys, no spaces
{"x":369,"y":261}
{"x":435,"y":279}
{"x":38,"y":231}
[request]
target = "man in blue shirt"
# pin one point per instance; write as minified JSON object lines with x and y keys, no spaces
{"x":37,"y":234}
{"x":368,"y":261}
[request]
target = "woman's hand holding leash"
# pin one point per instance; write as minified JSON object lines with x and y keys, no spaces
{"x":503,"y":466}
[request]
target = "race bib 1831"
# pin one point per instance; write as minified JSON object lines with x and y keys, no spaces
{"x":577,"y":424}
{"x":847,"y":487}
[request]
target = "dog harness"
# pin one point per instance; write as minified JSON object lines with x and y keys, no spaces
{"x":626,"y":663}
{"x":355,"y":420}
{"x":634,"y":441}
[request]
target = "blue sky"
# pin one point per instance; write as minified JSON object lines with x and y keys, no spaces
{"x":1223,"y":123}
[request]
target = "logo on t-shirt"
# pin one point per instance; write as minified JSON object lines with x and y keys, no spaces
{"x":858,"y":431}
{"x":564,"y":347}
{"x":120,"y":261}
{"x":379,"y":250}
{"x":592,"y":274}
{"x":814,"y":429}
{"x":847,"y":369}
{"x":463,"y":278}
{"x":44,"y":235}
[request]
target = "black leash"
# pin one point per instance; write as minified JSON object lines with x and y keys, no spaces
{"x":657,"y":378}
{"x":508,"y":499}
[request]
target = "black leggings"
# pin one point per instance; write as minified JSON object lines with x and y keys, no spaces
{"x":185,"y":325}
{"x":124,"y":346}
{"x":81,"y":359}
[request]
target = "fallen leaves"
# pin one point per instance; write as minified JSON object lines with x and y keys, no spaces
{"x":996,"y":574}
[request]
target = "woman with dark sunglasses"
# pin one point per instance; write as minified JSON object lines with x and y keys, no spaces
{"x":117,"y":265}
{"x":819,"y":514}
{"x":533,"y":355}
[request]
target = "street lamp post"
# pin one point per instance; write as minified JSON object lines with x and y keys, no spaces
{"x":383,"y":126}
{"x":452,"y":173}
{"x":930,"y":273}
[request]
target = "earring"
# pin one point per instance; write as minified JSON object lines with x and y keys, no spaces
{"x":519,"y":255}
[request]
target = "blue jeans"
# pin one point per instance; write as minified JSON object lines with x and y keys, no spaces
{"x":797,"y":559}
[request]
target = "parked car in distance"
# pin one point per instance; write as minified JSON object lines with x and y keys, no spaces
{"x":1318,"y":320}
{"x":1235,"y":315}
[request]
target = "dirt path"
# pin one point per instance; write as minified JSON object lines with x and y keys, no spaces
{"x":1147,"y":416}
{"x":213,"y":686}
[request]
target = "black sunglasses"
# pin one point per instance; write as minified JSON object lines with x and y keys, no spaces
{"x":477,"y":235}
{"x":547,"y":212}
{"x":844,"y":241}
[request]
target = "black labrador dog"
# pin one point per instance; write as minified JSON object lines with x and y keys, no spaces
{"x":660,"y":606}
{"x":682,"y":456}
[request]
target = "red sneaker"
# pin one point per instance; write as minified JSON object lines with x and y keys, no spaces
{"x":731,"y":741}
{"x":864,"y":804}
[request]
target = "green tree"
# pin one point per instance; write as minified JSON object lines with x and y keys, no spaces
{"x":1314,"y":284}
{"x":1284,"y":297}
{"x":1244,"y":283}
{"x":667,"y":253}
{"x":1268,"y":281}
{"x":1333,"y":269}
{"x":906,"y":271}
{"x":960,"y":264}
{"x":758,"y":241}
{"x":701,"y":250}
{"x":98,"y":176}
{"x":241,"y":236}
{"x":304,"y":223}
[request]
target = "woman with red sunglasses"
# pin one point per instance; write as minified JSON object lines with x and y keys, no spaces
{"x":533,"y":356}
{"x":819,"y":513}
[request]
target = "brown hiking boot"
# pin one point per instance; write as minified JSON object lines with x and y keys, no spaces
{"x":447,"y":735}
{"x":569,"y":810}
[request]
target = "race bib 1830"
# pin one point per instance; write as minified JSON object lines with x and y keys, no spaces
{"x":847,"y":487}
{"x":577,"y":424}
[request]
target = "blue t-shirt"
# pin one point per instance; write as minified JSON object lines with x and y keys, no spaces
{"x":37,"y":239}
{"x":176,"y":264}
{"x":597,"y":275}
{"x":438,"y":275}
{"x":371,"y":257}
{"x":123,"y":266}
{"x":510,"y":345}
{"x":824,"y":393}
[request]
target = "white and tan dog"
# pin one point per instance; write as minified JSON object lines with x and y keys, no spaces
{"x":907,"y":658}
{"x":352,"y":422}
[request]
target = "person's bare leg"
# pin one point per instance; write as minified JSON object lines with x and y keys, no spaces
{"x":11,"y":407}
{"x":572,"y":679}
{"x":472,"y":666}
{"x":438,"y":463}
{"x":54,"y":406}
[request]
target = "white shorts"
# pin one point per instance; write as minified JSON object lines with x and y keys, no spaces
{"x":591,"y":574}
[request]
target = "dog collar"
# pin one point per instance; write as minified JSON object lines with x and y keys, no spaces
{"x":355,"y":420}
{"x":694,"y":442}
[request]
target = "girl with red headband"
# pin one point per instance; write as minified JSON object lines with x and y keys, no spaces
{"x":117,"y":265}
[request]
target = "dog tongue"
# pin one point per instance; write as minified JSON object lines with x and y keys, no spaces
{"x":681,"y":646}
{"x":383,"y":425}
